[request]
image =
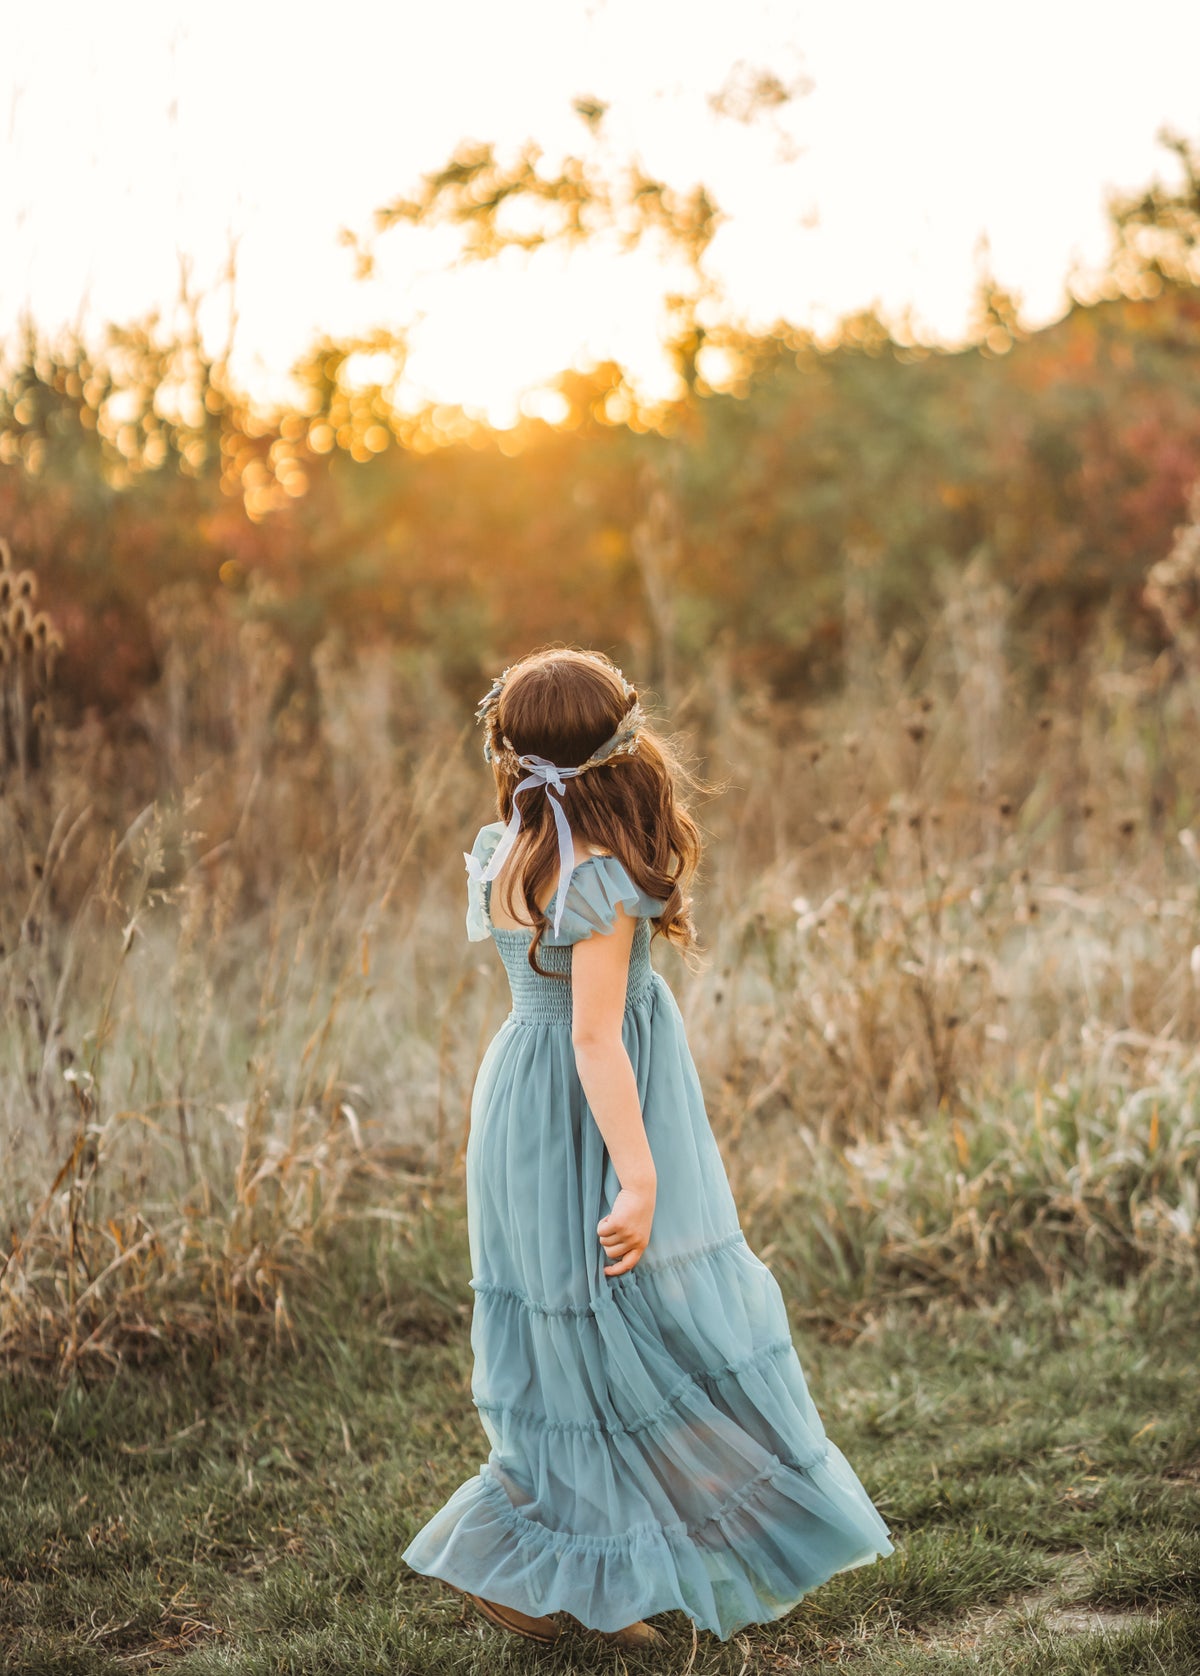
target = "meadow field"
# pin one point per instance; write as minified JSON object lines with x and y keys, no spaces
{"x":945,"y":1016}
{"x":923,"y":624}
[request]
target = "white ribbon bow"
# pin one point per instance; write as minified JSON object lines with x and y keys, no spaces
{"x":541,"y":773}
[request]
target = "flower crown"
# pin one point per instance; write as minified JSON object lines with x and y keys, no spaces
{"x":623,"y":742}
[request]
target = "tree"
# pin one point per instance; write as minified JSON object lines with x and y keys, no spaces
{"x":1157,"y":230}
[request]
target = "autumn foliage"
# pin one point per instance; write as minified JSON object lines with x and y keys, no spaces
{"x":814,"y":484}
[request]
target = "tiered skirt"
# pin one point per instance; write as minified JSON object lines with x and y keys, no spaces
{"x":654,"y":1445}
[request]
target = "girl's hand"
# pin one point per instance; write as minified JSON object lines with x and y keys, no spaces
{"x":625,"y":1231}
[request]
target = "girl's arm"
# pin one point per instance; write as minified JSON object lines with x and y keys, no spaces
{"x":599,"y":976}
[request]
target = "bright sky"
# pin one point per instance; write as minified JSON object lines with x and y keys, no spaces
{"x":131,"y":135}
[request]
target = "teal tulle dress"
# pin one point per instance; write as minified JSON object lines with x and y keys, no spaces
{"x":653,"y":1442}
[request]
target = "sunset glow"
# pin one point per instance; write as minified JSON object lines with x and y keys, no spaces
{"x":914,"y":150}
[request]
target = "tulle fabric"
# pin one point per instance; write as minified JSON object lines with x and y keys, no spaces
{"x":653,"y":1443}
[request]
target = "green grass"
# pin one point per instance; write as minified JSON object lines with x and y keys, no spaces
{"x":1038,"y":1461}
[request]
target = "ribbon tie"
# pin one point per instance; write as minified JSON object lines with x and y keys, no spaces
{"x":541,"y":773}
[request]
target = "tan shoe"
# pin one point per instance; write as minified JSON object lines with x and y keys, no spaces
{"x":633,"y":1635}
{"x":507,"y":1617}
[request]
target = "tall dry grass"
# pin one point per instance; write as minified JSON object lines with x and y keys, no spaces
{"x":947,"y":1024}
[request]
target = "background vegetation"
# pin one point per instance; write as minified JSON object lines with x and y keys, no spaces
{"x":929,"y":620}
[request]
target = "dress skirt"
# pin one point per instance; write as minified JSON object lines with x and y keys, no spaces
{"x":653,"y":1443}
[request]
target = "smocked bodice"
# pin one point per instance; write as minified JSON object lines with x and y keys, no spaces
{"x":599,"y":886}
{"x":538,"y":1000}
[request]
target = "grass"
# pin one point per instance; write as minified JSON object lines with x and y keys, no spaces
{"x":1037,"y":1459}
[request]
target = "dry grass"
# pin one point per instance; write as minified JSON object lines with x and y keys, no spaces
{"x":947,"y":1025}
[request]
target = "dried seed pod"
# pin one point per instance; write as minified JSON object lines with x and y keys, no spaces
{"x":29,"y":646}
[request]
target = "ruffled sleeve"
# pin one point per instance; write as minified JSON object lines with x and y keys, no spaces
{"x":486,"y":840}
{"x":597,"y":886}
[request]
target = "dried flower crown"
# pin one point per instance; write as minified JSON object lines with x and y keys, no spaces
{"x":623,"y":742}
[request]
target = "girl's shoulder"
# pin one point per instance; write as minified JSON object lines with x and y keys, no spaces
{"x":600,"y":884}
{"x":486,"y":840}
{"x":490,"y":834}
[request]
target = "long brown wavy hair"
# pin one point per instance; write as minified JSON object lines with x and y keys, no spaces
{"x":563,"y":703}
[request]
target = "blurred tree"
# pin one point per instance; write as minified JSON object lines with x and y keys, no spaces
{"x":587,"y":198}
{"x":1157,"y":230}
{"x":1063,"y":456}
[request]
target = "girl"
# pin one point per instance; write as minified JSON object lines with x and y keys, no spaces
{"x":653,"y":1441}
